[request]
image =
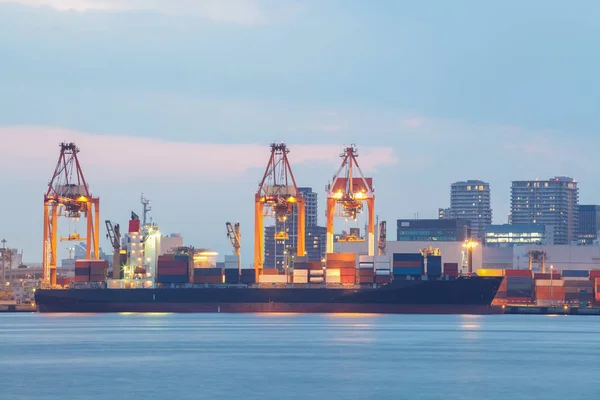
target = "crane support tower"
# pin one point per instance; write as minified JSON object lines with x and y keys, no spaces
{"x":68,"y":196}
{"x":537,"y":257}
{"x":382,"y":238}
{"x":114,"y":235}
{"x":277,"y":193}
{"x":349,"y":189}
{"x":233,"y":233}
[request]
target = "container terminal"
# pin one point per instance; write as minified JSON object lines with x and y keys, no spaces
{"x":341,"y":282}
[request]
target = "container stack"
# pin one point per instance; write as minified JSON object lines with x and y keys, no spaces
{"x":300,"y":275}
{"x":382,"y":270}
{"x":279,"y":279}
{"x":315,"y":272}
{"x":597,"y":287}
{"x":345,"y":263}
{"x":231,"y":261}
{"x":579,"y":289}
{"x":90,"y":270}
{"x":407,"y":264}
{"x":332,"y":276}
{"x":232,"y":275}
{"x":549,"y":291}
{"x":516,"y":287}
{"x":451,"y":270}
{"x":434,"y":266}
{"x":366,"y":270}
{"x":173,"y":268}
{"x":248,"y":276}
{"x":208,"y":275}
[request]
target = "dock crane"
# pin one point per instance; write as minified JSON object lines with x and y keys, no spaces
{"x":233,"y":233}
{"x":382,"y":238}
{"x":349,"y":190}
{"x":276,"y":195}
{"x":114,"y":235}
{"x":68,"y":196}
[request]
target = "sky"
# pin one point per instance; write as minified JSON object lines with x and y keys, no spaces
{"x":180,"y":100}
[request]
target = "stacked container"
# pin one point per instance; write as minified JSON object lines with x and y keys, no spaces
{"x":208,"y":275}
{"x":90,"y":270}
{"x":451,"y":269}
{"x":248,"y":276}
{"x":281,"y":279}
{"x":434,"y":266}
{"x":299,"y":276}
{"x":597,"y":287}
{"x":549,"y":291}
{"x":579,"y":289}
{"x":332,"y":276}
{"x":173,"y":268}
{"x":366,"y":270}
{"x":346,"y":263}
{"x":315,"y":272}
{"x":407,"y":264}
{"x":382,"y":270}
{"x":519,"y":284}
{"x":232,"y":275}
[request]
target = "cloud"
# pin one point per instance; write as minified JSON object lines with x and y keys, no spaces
{"x":124,"y":158}
{"x":248,"y":12}
{"x":413,"y":122}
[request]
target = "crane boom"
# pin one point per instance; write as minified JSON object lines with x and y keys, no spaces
{"x":114,"y":235}
{"x":233,"y":233}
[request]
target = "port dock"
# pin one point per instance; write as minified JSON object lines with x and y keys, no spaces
{"x":551,"y":310}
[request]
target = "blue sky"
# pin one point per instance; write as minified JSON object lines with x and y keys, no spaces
{"x":155,"y":91}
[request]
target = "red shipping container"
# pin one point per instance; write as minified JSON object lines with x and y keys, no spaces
{"x":315,"y":265}
{"x":347,"y":279}
{"x":517,"y":272}
{"x":134,"y":226}
{"x":594,"y":273}
{"x":366,"y":279}
{"x":538,"y":275}
{"x":172,"y":271}
{"x":348,"y":272}
{"x":166,"y":257}
{"x":173,"y":264}
{"x":208,"y":279}
{"x":543,"y":293}
{"x":81,"y":278}
{"x":407,"y":264}
{"x":270,"y":271}
{"x":382,"y":279}
{"x":366,"y":272}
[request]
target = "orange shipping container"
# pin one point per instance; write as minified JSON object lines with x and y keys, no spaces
{"x":341,"y":257}
{"x":544,"y":293}
{"x":270,"y":271}
{"x":347,"y":279}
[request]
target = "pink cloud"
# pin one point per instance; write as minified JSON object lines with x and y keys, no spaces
{"x":124,"y":158}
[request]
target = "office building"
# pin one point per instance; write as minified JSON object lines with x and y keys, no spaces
{"x":554,"y":203}
{"x":470,"y":200}
{"x":589,"y":223}
{"x":433,"y":230}
{"x":509,"y":235}
{"x":278,"y":250}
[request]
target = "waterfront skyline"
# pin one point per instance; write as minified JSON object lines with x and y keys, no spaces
{"x":183,"y":108}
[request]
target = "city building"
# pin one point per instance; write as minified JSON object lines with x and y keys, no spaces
{"x":554,"y":202}
{"x":440,"y":230}
{"x":589,"y":223}
{"x":509,"y":235}
{"x":278,"y":250}
{"x":470,"y":200}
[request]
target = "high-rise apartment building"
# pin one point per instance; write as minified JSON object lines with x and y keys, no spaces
{"x":589,"y":223}
{"x":470,"y":200}
{"x":278,"y":250}
{"x":554,"y":202}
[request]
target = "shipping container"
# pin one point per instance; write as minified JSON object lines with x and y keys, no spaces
{"x":408,"y":271}
{"x":272,"y":279}
{"x":594,"y":273}
{"x":575,"y":273}
{"x":332,"y":278}
{"x":270,"y":271}
{"x":381,"y":279}
{"x":366,"y":259}
{"x":316,"y":280}
{"x":301,"y":265}
{"x":434,"y":265}
{"x":489,"y":272}
{"x":172,"y":279}
{"x":213,"y":279}
{"x":544,"y":276}
{"x":347,"y":279}
{"x":315,"y":265}
{"x":366,"y":272}
{"x":319,"y":272}
{"x":547,"y":293}
{"x":172,"y":271}
{"x":548,"y":282}
{"x":341,"y":257}
{"x":366,"y":279}
{"x":517,"y":273}
{"x":209,"y":271}
{"x":407,"y":257}
{"x":300,"y":272}
{"x":366,"y":266}
{"x":347,"y":271}
{"x":578,"y":283}
{"x":382,"y":272}
{"x":407,"y":264}
{"x":451,"y":269}
{"x":300,"y":279}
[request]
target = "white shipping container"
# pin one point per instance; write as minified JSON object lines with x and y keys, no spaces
{"x":382,"y":272}
{"x":332,"y":272}
{"x":272,"y":279}
{"x":382,"y":259}
{"x":318,"y":272}
{"x":300,"y":279}
{"x":575,"y":278}
{"x":332,"y":279}
{"x":547,"y":282}
{"x":365,"y":258}
{"x":300,"y":272}
{"x":316,"y":280}
{"x":231,"y":258}
{"x":385,"y":265}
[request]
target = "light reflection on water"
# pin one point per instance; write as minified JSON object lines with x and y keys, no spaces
{"x":297,"y":356}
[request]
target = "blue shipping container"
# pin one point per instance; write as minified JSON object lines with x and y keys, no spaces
{"x":172,"y":279}
{"x":407,"y":257}
{"x":576,"y":273}
{"x":434,"y":265}
{"x":408,"y":271}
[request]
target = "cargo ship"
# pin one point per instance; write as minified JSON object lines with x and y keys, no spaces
{"x":464,"y":295}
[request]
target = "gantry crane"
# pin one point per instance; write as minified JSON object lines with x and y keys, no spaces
{"x":68,"y":196}
{"x":233,"y":233}
{"x":382,"y":238}
{"x":277,"y":193}
{"x":348,"y":190}
{"x":114,"y":235}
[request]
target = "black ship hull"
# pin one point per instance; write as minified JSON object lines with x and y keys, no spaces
{"x":458,"y":296}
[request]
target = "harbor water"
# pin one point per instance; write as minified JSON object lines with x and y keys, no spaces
{"x":298,"y":356}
